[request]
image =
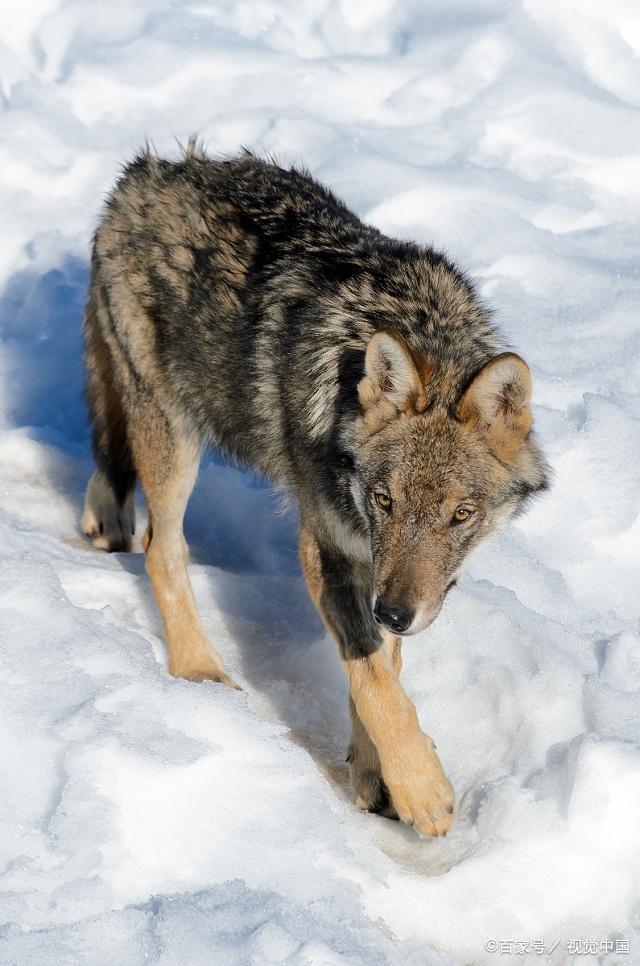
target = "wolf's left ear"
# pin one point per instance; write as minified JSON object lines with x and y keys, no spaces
{"x":497,"y":401}
{"x":392,"y":382}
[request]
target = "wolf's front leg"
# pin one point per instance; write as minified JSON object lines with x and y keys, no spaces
{"x":420,"y":790}
{"x":410,"y":767}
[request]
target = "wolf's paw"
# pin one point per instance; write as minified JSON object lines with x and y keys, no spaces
{"x":420,"y":790}
{"x":105,"y":523}
{"x":202,"y":667}
{"x":372,"y":794}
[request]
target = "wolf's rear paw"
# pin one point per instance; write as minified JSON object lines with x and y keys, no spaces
{"x":201,"y":668}
{"x":107,"y":524}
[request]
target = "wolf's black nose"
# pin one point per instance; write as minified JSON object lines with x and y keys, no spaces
{"x":396,"y":619}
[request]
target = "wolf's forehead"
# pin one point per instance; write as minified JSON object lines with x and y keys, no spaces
{"x":435,"y":459}
{"x":427,"y":492}
{"x":425,"y":453}
{"x":429,"y":477}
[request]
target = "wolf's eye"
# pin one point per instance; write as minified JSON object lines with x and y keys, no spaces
{"x":383,"y":500}
{"x":462,"y":513}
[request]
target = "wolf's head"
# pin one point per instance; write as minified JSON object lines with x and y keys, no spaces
{"x":433,"y":480}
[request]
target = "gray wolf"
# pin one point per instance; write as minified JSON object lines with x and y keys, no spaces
{"x":236,"y":303}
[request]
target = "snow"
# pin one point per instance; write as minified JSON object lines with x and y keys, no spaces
{"x":148,"y":820}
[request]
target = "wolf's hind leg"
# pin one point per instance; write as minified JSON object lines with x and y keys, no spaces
{"x":108,"y":523}
{"x":167,"y":462}
{"x":108,"y":519}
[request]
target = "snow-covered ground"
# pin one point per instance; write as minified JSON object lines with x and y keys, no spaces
{"x":147,"y":820}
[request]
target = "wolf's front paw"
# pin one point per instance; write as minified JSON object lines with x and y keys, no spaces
{"x":421,"y":792}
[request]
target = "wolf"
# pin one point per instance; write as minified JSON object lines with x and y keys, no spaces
{"x":237,"y":303}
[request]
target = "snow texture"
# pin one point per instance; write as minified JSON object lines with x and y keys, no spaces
{"x":148,"y":820}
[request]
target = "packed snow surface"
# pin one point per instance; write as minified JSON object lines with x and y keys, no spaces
{"x":148,"y":820}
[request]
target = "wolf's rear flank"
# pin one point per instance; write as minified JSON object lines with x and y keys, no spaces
{"x":239,"y":303}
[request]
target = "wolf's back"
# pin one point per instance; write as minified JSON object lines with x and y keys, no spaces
{"x":245,"y":294}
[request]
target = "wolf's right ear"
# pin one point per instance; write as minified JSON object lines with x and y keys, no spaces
{"x":392,"y":383}
{"x":497,"y":402}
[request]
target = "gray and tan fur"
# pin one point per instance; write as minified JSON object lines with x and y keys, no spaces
{"x":240,"y":304}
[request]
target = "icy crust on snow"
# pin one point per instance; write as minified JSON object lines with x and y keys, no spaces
{"x":147,"y":820}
